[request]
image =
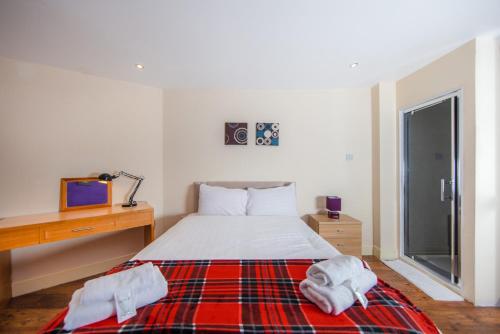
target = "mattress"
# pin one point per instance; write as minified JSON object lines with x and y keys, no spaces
{"x":198,"y":237}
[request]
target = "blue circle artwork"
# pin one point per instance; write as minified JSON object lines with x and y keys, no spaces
{"x":267,"y":134}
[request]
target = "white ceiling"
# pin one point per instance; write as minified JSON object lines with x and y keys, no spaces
{"x":286,"y":44}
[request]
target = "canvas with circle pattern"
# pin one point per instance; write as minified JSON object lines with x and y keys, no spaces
{"x":267,"y":134}
{"x":236,"y":134}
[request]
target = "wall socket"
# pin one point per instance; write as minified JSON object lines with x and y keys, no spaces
{"x":349,"y":156}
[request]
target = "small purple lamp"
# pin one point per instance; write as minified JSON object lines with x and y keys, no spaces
{"x":333,"y":206}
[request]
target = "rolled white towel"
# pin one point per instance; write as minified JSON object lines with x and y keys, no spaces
{"x":84,"y":314}
{"x":103,"y":288}
{"x":340,"y":297}
{"x":80,"y":315}
{"x":334,"y":271}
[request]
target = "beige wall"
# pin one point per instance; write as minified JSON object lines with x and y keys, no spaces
{"x":455,"y":70}
{"x":375,"y":92}
{"x":389,"y":198}
{"x":384,"y":129}
{"x":487,"y":219}
{"x":496,"y":248}
{"x":56,"y":123}
{"x":317,"y":129}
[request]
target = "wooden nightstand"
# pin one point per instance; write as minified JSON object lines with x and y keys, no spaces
{"x":343,"y":233}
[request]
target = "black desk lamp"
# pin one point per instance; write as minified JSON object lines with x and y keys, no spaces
{"x":109,"y":177}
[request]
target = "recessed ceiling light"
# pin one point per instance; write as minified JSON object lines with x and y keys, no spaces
{"x":353,"y":65}
{"x":139,"y":66}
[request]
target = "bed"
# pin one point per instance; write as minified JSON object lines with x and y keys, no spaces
{"x":231,"y":274}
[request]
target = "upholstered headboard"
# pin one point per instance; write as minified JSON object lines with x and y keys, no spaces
{"x":237,"y":185}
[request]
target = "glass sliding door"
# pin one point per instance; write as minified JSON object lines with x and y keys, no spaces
{"x":430,"y":212}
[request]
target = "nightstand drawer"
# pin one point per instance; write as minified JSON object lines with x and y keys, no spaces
{"x":343,"y":233}
{"x":347,"y":246}
{"x":329,"y":231}
{"x":68,"y":230}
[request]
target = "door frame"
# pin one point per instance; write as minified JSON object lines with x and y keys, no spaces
{"x":458,"y":179}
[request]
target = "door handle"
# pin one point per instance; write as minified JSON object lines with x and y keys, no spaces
{"x":443,"y":185}
{"x":442,"y":190}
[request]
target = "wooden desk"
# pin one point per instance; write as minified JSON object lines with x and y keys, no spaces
{"x":43,"y":228}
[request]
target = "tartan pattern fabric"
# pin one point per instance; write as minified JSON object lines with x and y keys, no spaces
{"x":254,"y":296}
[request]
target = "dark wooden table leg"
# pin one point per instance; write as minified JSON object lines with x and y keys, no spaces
{"x":5,"y":279}
{"x":149,"y":233}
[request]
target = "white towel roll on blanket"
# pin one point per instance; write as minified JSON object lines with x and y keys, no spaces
{"x":338,"y":298}
{"x":335,"y":271}
{"x":145,"y":291}
{"x":103,"y":288}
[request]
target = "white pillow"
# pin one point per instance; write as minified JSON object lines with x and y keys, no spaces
{"x":279,"y":201}
{"x":219,"y":201}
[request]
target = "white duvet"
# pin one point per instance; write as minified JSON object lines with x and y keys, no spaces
{"x":238,"y":237}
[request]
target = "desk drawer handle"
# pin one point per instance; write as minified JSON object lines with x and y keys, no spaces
{"x":339,"y":230}
{"x":80,"y":229}
{"x":340,"y":245}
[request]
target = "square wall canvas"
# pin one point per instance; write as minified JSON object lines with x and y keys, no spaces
{"x":236,"y":134}
{"x":267,"y":134}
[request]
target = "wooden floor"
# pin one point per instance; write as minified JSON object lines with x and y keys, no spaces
{"x":26,"y":314}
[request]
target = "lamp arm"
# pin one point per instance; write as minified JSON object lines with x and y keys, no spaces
{"x":131,"y":198}
{"x":130,"y":175}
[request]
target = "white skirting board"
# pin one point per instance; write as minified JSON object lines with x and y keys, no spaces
{"x":69,"y":275}
{"x":430,"y":287}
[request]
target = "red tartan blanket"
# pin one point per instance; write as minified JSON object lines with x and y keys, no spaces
{"x":254,"y":296}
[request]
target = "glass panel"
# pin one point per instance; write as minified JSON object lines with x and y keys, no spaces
{"x":428,"y":176}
